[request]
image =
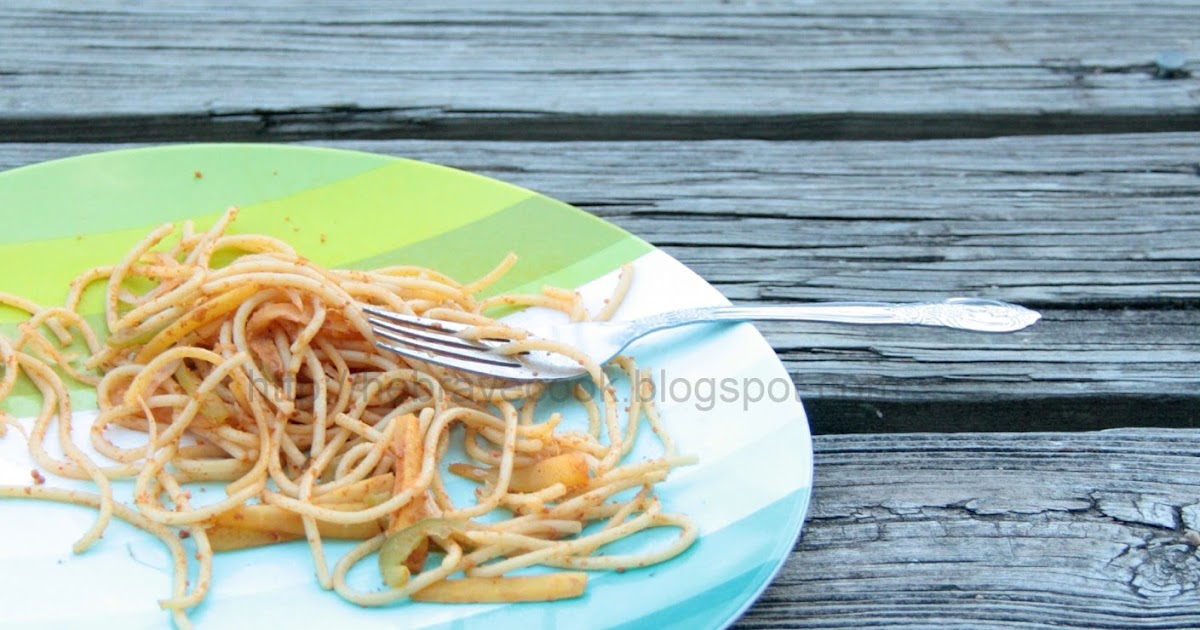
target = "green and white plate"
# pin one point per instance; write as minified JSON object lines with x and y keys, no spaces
{"x":723,"y":393}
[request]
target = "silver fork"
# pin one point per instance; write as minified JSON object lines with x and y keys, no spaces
{"x":437,"y":342}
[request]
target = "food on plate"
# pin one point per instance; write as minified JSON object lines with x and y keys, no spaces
{"x":230,"y":359}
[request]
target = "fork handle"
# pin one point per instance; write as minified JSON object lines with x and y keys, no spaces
{"x":962,"y":313}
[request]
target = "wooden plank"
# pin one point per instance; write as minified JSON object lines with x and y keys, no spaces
{"x":1057,"y":222}
{"x":777,"y":69}
{"x":1091,"y":530}
{"x":1099,"y":232}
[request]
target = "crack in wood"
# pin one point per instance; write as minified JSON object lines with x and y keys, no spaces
{"x":869,"y":410}
{"x":1129,"y":540}
{"x":342,"y":121}
{"x":1079,"y":70}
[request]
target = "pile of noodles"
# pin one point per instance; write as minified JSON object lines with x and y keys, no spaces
{"x":260,"y":373}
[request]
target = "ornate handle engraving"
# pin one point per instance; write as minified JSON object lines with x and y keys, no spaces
{"x":962,"y":313}
{"x":968,"y":314}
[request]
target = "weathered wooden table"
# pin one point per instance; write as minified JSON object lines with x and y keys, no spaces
{"x":1046,"y":153}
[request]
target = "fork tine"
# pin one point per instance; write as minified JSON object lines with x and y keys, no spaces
{"x":514,"y":372}
{"x":436,"y":347}
{"x":414,"y":321}
{"x":413,"y":333}
{"x":433,"y":341}
{"x":517,"y":373}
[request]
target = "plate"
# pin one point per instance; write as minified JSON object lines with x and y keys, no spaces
{"x":722,"y":391}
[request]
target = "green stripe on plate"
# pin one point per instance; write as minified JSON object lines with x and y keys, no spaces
{"x":133,"y":188}
{"x":555,"y":244}
{"x":382,"y":210}
{"x":388,"y":209}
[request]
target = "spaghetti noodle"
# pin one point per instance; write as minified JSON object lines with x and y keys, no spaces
{"x":260,"y":372}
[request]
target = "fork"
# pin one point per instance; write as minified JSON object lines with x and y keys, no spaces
{"x":438,"y":342}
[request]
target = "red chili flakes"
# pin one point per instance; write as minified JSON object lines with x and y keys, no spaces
{"x":198,"y":175}
{"x":37,"y":477}
{"x":322,"y":238}
{"x":620,"y":569}
{"x":184,"y":534}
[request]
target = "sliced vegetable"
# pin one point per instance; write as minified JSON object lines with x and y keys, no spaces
{"x":223,"y":538}
{"x":271,"y":518}
{"x":399,"y":546}
{"x":202,"y":314}
{"x":569,"y":469}
{"x":523,"y":588}
{"x":366,"y":491}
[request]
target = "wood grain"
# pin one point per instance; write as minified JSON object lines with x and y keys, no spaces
{"x":1082,"y":530}
{"x":772,"y":69}
{"x":744,"y":138}
{"x":1099,"y":232}
{"x":1059,"y":222}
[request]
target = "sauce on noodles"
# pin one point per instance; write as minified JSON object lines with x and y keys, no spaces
{"x":260,"y":373}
